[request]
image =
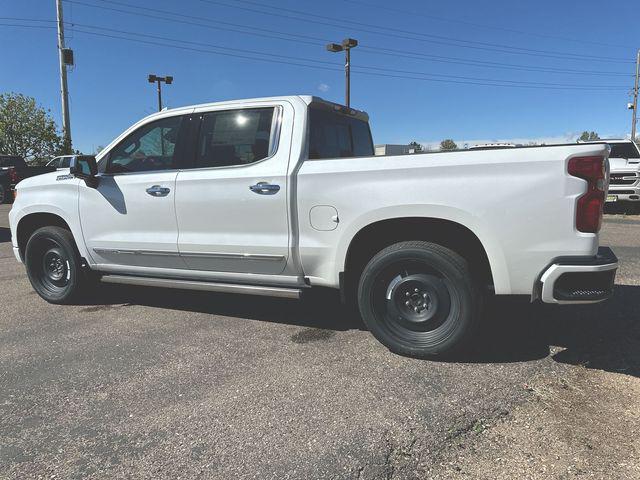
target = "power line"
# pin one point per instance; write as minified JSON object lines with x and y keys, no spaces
{"x":323,"y":62}
{"x":321,"y":41}
{"x":250,"y":55}
{"x":428,"y":75}
{"x":199,"y":23}
{"x":403,"y":33}
{"x":25,"y":26}
{"x":480,"y":25}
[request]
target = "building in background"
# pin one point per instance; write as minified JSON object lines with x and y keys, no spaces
{"x":389,"y":149}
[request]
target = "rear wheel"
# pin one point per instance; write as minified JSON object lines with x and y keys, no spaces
{"x":54,"y":266}
{"x":419,"y":299}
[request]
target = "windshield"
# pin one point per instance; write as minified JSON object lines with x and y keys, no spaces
{"x":64,"y":162}
{"x":624,"y":150}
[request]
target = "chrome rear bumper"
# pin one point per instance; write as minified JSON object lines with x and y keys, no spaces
{"x":579,"y":279}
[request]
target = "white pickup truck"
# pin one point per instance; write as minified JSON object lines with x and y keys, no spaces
{"x":278,"y":195}
{"x":624,"y":184}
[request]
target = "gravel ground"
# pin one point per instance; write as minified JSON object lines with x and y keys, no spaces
{"x":143,"y":383}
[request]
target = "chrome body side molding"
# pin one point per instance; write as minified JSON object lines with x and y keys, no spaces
{"x":230,"y":256}
{"x":124,"y":251}
{"x":233,"y":256}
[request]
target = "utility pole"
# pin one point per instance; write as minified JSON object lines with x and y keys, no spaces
{"x":346,"y":46}
{"x":155,"y":79}
{"x":634,"y":118}
{"x":65,"y":57}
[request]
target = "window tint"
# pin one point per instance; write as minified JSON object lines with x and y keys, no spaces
{"x":10,"y":161}
{"x":623,"y":150}
{"x":234,"y":137}
{"x":332,"y":135}
{"x":151,"y":147}
{"x":64,"y":162}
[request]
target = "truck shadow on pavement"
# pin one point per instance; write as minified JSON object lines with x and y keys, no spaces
{"x":602,"y":336}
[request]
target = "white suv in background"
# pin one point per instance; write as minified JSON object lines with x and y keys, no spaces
{"x":624,"y":161}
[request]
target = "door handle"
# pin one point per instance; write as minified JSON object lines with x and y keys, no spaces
{"x":265,"y":188}
{"x":158,"y":191}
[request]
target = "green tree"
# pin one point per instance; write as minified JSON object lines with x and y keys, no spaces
{"x":589,"y":136}
{"x":417,"y":148}
{"x":448,"y":144}
{"x":27,"y":129}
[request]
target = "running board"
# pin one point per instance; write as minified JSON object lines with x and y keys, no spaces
{"x":282,"y":292}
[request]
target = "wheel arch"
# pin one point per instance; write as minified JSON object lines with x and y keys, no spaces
{"x":30,"y":222}
{"x":376,"y":235}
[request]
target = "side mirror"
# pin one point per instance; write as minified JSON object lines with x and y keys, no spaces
{"x":86,"y":168}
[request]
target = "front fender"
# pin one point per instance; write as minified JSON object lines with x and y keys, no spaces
{"x":59,"y":199}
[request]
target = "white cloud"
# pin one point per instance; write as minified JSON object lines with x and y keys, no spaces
{"x":323,"y":87}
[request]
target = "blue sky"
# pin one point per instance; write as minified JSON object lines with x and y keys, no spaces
{"x":454,"y":48}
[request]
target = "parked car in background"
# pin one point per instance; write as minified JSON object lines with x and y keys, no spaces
{"x":624,"y":160}
{"x":13,"y":169}
{"x":61,"y":162}
{"x":493,"y":146}
{"x":275,"y":196}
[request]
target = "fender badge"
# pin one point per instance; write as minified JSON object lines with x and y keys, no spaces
{"x":64,"y":177}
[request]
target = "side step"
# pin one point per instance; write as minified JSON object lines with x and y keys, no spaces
{"x":282,"y":292}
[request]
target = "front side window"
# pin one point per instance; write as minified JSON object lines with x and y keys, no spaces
{"x":150,"y":147}
{"x":234,"y":137}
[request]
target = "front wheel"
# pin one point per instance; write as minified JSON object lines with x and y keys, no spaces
{"x":419,"y":299}
{"x":54,"y":266}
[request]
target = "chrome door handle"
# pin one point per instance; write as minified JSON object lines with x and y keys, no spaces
{"x":265,"y":188}
{"x":158,"y":191}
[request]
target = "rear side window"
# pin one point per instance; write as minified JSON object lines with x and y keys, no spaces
{"x":150,"y":147}
{"x":332,"y":135}
{"x":234,"y":137}
{"x":624,"y":150}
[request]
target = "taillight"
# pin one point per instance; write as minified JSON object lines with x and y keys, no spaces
{"x":589,"y":206}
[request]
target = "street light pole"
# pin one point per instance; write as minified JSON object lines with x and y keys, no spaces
{"x":158,"y":80}
{"x":346,"y":46}
{"x":634,"y":117}
{"x":347,"y":74}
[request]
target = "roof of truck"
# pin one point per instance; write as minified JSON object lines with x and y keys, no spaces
{"x":308,"y":99}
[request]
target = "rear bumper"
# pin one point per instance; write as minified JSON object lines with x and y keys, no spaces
{"x":579,"y":279}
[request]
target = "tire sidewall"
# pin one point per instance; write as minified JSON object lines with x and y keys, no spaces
{"x":32,"y":260}
{"x":460,"y":321}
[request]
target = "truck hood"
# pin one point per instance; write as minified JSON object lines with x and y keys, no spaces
{"x":623,"y":164}
{"x":45,"y":179}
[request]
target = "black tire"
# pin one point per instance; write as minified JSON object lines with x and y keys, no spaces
{"x":419,"y":299}
{"x":3,"y":194}
{"x":54,"y":265}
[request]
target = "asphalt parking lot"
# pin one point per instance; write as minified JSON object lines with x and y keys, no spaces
{"x":144,"y":383}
